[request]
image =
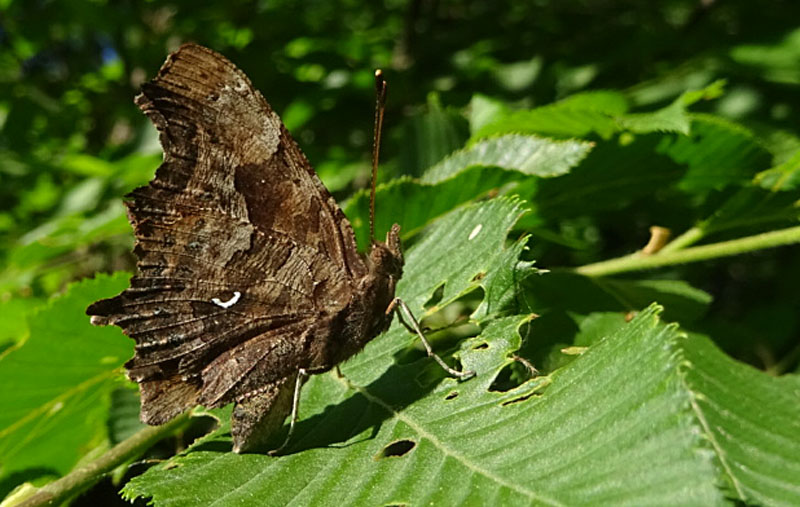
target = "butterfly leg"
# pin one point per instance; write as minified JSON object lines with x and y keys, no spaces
{"x":414,"y":328}
{"x":301,"y":377}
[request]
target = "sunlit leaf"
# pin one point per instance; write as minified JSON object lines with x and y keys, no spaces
{"x":57,"y":383}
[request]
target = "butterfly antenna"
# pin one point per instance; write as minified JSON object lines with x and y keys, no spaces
{"x":380,"y":108}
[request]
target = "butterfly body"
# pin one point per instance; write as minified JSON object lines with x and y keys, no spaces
{"x":247,"y":270}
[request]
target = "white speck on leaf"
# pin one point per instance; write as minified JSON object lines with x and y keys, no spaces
{"x":227,"y":304}
{"x":475,"y":231}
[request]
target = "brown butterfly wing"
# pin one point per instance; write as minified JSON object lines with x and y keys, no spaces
{"x":243,"y":253}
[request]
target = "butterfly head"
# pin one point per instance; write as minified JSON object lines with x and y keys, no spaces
{"x":387,"y":258}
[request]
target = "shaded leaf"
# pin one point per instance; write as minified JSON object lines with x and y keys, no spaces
{"x":578,"y":294}
{"x":123,"y":416}
{"x":610,"y":177}
{"x":718,"y":153}
{"x":752,"y":206}
{"x":785,"y":176}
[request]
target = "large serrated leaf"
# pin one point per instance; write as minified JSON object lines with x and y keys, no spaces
{"x":575,"y":116}
{"x":527,"y":154}
{"x":56,"y":385}
{"x":752,"y":422}
{"x":619,"y":411}
{"x":674,"y":117}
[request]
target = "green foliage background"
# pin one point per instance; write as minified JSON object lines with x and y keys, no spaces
{"x":564,"y":129}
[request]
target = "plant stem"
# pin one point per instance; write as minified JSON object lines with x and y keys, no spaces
{"x":663,"y":258}
{"x":690,"y":237}
{"x":58,"y":491}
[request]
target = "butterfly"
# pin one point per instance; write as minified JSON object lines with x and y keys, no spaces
{"x":248,"y":276}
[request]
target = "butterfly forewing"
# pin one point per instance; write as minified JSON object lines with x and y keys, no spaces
{"x":239,"y":243}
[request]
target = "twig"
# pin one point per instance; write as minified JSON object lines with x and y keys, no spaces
{"x":699,"y":253}
{"x":74,"y":482}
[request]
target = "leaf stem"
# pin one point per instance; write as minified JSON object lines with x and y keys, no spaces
{"x":74,"y":482}
{"x":637,"y":262}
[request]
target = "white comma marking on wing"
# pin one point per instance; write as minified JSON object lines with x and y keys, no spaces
{"x":227,"y":304}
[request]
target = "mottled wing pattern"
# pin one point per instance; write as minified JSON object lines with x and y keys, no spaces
{"x":239,"y":244}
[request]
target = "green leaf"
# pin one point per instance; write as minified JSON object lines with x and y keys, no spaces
{"x":43,"y":250}
{"x":584,"y":295}
{"x":610,"y":178}
{"x":472,"y":240}
{"x":752,"y":206}
{"x":484,"y":110}
{"x":785,"y":176}
{"x":774,"y":62}
{"x":56,"y":384}
{"x":529,"y":155}
{"x":619,"y":410}
{"x":672,"y":118}
{"x":718,"y":153}
{"x":414,"y":205}
{"x":770,"y":198}
{"x":13,"y":319}
{"x":123,"y":416}
{"x":518,"y":76}
{"x":575,"y":116}
{"x":87,"y":165}
{"x":751,"y":421}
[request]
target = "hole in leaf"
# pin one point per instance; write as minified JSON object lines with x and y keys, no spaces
{"x":396,"y":449}
{"x":435,"y":298}
{"x":456,"y":364}
{"x":518,"y":399}
{"x":451,"y":395}
{"x":478,"y":277}
{"x":512,"y":375}
{"x":481,"y":346}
